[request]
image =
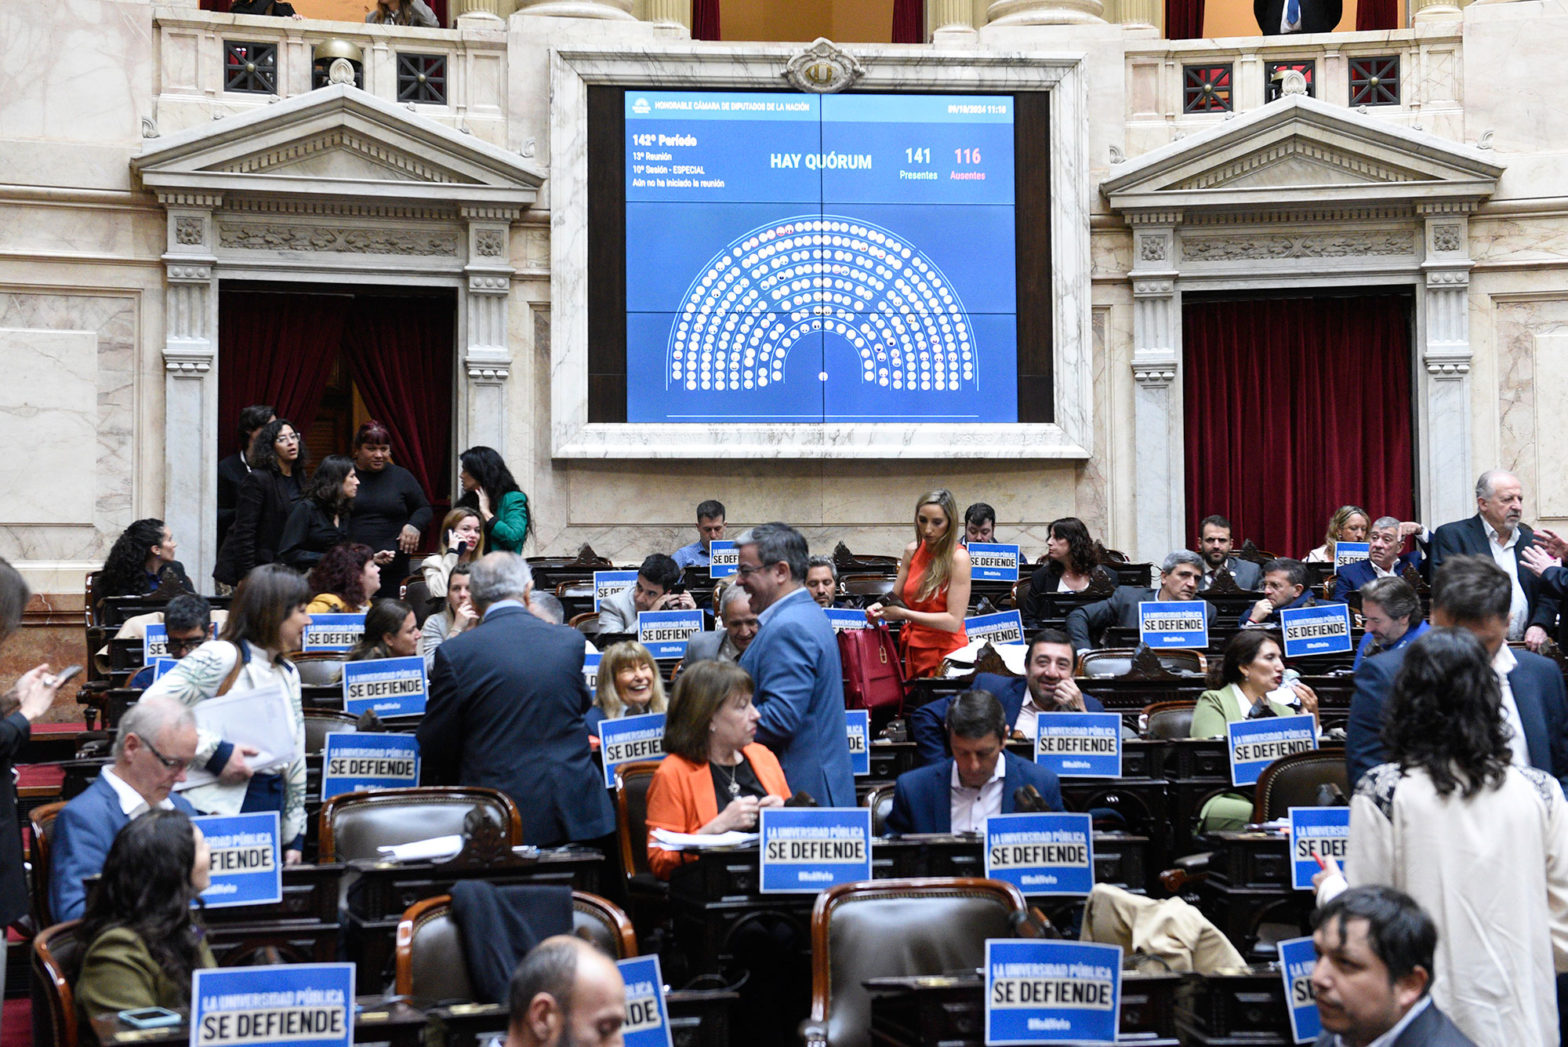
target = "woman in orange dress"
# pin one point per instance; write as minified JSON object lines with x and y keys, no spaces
{"x":932,"y":588}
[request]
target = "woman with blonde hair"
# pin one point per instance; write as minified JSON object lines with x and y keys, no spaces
{"x":931,"y":595}
{"x":629,"y":684}
{"x":1350,"y":523}
{"x":462,"y":541}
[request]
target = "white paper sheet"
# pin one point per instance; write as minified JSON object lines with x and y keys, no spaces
{"x":668,"y":841}
{"x":260,"y":718}
{"x":433,"y":849}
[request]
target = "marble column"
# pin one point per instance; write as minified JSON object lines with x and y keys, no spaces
{"x":497,"y":8}
{"x":1044,"y":12}
{"x":1445,"y":357}
{"x":1158,"y":452}
{"x":671,"y":13}
{"x":618,"y":9}
{"x":190,"y":387}
{"x":1435,"y":11}
{"x":952,"y":23}
{"x":486,"y":357}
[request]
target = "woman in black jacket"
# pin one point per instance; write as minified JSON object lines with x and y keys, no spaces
{"x":277,"y":458}
{"x":320,"y":519}
{"x":391,"y":510}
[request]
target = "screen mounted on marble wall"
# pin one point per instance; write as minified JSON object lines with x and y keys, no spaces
{"x":799,"y":258}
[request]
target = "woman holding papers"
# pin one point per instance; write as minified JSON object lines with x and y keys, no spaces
{"x":931,"y":595}
{"x":266,"y":621}
{"x":1349,"y":523}
{"x":629,"y":684}
{"x":1477,"y":838}
{"x":391,"y":631}
{"x":1246,"y":685}
{"x":715,"y":777}
{"x":143,"y":938}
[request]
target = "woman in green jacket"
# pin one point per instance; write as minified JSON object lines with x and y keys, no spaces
{"x":144,"y":939}
{"x":489,"y":488}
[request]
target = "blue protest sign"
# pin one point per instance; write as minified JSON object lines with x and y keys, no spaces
{"x":300,"y":1004}
{"x":647,"y":1019}
{"x":1174,"y":624}
{"x":1052,"y":992}
{"x":591,"y":672}
{"x":1079,"y":745}
{"x":161,"y":666}
{"x":385,"y":686}
{"x":993,"y":563}
{"x":664,"y":633}
{"x":841,"y":618}
{"x":723,"y":559}
{"x":353,"y":761}
{"x":247,"y":862}
{"x":334,"y":632}
{"x":155,"y":643}
{"x":1313,"y":831}
{"x":1347,"y":553}
{"x":1254,"y":744}
{"x":607,"y":583}
{"x":1041,"y":854}
{"x":1297,"y":957}
{"x":630,"y":738}
{"x":1001,"y":627}
{"x":858,"y":723}
{"x":1324,"y":629}
{"x":806,"y":849}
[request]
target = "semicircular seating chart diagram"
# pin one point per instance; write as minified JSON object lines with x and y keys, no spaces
{"x":843,"y":277}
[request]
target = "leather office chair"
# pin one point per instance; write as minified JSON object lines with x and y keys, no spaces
{"x":42,"y":819}
{"x":319,"y":668}
{"x":418,"y":596}
{"x":1118,"y":661}
{"x":1167,"y":720}
{"x":355,"y":824}
{"x":888,"y":928}
{"x":321,"y":722}
{"x":57,"y":960}
{"x":1294,"y":781}
{"x":880,"y":800}
{"x":430,"y":961}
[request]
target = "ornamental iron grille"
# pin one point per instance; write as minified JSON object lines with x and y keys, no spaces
{"x":1273,"y":77}
{"x":1207,"y":88}
{"x":251,"y":68}
{"x":421,"y":78}
{"x":1375,"y":80}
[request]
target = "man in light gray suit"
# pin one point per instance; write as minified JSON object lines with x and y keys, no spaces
{"x":737,"y":627}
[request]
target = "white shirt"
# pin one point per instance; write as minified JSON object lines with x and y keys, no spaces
{"x":971,"y":807}
{"x":1399,"y":1027}
{"x":1507,"y":556}
{"x":131,"y":801}
{"x":1378,"y":572}
{"x":1502,"y":664}
{"x":1285,"y":24}
{"x":1028,"y":715}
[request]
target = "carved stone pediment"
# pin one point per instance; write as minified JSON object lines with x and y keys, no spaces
{"x":1297,"y":154}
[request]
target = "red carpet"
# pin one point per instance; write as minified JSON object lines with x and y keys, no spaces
{"x":16,"y":1027}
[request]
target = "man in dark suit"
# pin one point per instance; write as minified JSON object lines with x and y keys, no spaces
{"x":1384,"y":560}
{"x":1284,"y":588}
{"x":1047,"y":686}
{"x":979,"y":780}
{"x":1179,"y":576}
{"x":507,"y":701}
{"x":1496,"y":531}
{"x":233,"y":470}
{"x":737,"y":628}
{"x":1471,"y":592}
{"x":155,"y":740}
{"x":1214,"y":543}
{"x":795,"y":664}
{"x":1373,"y":977}
{"x":1279,"y":17}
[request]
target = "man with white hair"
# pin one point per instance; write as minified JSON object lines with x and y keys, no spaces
{"x":155,"y":740}
{"x":738,"y":626}
{"x":1496,"y":530}
{"x":1384,"y":560}
{"x":507,"y":707}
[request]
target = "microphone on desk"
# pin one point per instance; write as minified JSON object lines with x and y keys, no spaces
{"x":1027,"y":800}
{"x":801,"y":799}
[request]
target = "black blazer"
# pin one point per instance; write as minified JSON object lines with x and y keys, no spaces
{"x":14,"y":733}
{"x":507,"y":702}
{"x":1085,"y":623}
{"x":1431,"y":1028}
{"x":1317,"y":16}
{"x":1468,"y":538}
{"x":266,"y":499}
{"x":231,"y":476}
{"x":307,"y":535}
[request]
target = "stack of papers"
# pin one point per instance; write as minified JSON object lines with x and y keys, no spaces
{"x":668,"y":841}
{"x":431,"y":850}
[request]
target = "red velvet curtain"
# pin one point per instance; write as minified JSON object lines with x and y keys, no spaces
{"x":909,"y":21}
{"x":1183,"y":19}
{"x":705,"y":19}
{"x":1294,"y":407}
{"x":276,"y":348}
{"x":400,"y":353}
{"x":1376,"y":15}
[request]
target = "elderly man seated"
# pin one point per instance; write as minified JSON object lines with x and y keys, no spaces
{"x":738,"y":626}
{"x":1384,"y":560}
{"x":1179,"y":577}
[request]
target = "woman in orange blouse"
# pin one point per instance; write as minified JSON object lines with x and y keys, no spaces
{"x":932,"y":588}
{"x":715,"y":777}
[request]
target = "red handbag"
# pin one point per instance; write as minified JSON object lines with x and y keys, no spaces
{"x":873,"y":672}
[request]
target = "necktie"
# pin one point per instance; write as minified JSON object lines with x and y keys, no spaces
{"x":1292,"y":12}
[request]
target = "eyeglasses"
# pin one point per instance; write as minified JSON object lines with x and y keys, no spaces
{"x":746,"y":570}
{"x":187,"y":645}
{"x":168,"y":764}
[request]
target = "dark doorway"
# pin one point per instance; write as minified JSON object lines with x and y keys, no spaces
{"x":1294,"y":407}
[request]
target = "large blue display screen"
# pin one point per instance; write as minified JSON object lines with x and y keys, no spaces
{"x":805,"y":258}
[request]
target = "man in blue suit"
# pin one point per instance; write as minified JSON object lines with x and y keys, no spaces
{"x":1047,"y":686}
{"x":1473,"y":593}
{"x":507,"y":707}
{"x":1284,"y":589}
{"x":1179,"y":577}
{"x":959,"y":794}
{"x":1391,"y":614}
{"x":794,"y":662}
{"x":155,"y":741}
{"x":1384,"y":560}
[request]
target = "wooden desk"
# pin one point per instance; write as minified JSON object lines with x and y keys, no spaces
{"x":1249,"y":884}
{"x":698,"y":1018}
{"x":1244,"y":1008}
{"x":380,"y":1020}
{"x":302,"y":928}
